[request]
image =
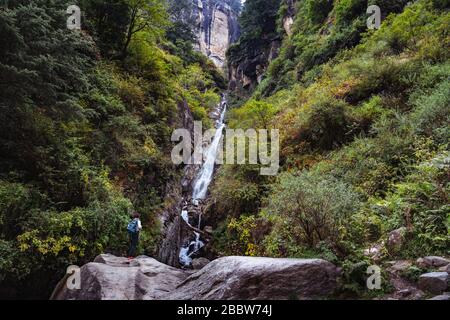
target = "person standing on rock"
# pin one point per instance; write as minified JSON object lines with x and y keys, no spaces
{"x":134,"y":227}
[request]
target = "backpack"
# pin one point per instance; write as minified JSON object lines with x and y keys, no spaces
{"x":132,"y":226}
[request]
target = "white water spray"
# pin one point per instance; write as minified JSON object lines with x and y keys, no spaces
{"x":201,"y":186}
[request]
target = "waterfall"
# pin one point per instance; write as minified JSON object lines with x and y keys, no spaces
{"x":201,"y":185}
{"x":203,"y":181}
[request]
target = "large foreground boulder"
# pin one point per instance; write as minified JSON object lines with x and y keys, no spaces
{"x":114,"y":278}
{"x":246,"y":278}
{"x":144,"y":278}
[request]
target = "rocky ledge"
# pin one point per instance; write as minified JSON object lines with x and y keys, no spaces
{"x":244,"y":278}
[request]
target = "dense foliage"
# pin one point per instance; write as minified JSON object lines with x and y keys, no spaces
{"x":85,"y":137}
{"x":364,"y":117}
{"x":87,"y":115}
{"x":258,"y":27}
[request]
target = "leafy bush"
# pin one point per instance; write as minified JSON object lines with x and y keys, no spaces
{"x":237,"y":190}
{"x":420,"y":203}
{"x":432,"y":114}
{"x":313,"y":208}
{"x":323,"y":125}
{"x":317,"y":11}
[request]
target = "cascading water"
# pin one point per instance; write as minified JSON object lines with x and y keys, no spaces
{"x":201,"y":185}
{"x":203,"y":181}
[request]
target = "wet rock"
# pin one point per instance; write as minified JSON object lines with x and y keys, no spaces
{"x":199,"y":263}
{"x":434,"y":282}
{"x":174,"y":231}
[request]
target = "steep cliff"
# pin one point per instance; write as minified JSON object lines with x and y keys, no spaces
{"x":216,"y":28}
{"x":260,"y":42}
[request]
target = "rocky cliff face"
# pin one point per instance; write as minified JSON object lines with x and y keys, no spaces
{"x":174,"y":232}
{"x":217,"y":28}
{"x":248,"y":71}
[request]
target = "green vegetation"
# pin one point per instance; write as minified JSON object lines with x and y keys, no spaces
{"x":87,"y":117}
{"x":85,"y":136}
{"x":258,"y":24}
{"x":364,"y":119}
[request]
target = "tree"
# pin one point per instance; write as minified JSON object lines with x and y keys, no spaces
{"x":255,"y":114}
{"x":258,"y":18}
{"x":108,"y":20}
{"x":181,"y":30}
{"x":145,"y":15}
{"x":258,"y":23}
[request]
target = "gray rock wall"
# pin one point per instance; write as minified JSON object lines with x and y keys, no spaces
{"x":217,"y":28}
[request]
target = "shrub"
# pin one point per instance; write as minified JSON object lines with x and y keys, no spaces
{"x":317,"y":11}
{"x":313,"y":207}
{"x":432,"y":114}
{"x":347,"y":10}
{"x":243,"y":227}
{"x":323,"y":125}
{"x":420,"y":203}
{"x":369,"y":112}
{"x":237,"y":190}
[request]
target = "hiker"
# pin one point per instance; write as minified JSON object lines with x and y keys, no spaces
{"x":134,"y":227}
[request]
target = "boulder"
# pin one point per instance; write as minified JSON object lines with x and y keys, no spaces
{"x":437,"y":261}
{"x":434,"y":282}
{"x":144,"y":278}
{"x":432,"y":262}
{"x":445,"y":268}
{"x":441,"y":297}
{"x":199,"y":263}
{"x":250,"y":278}
{"x":112,"y":260}
{"x":399,"y":266}
{"x":113,"y":278}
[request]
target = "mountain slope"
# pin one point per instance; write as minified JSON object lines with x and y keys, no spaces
{"x":363,"y":116}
